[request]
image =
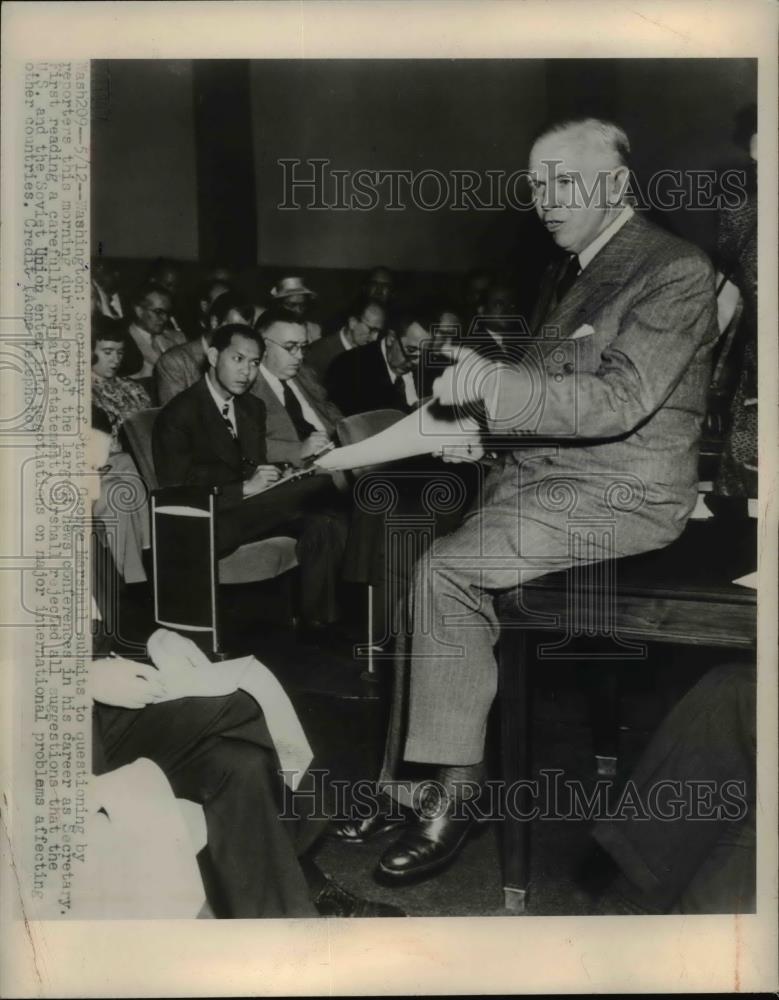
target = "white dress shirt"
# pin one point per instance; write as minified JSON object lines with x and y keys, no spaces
{"x":221,"y":403}
{"x":278,"y":391}
{"x":348,"y":345}
{"x":408,"y":379}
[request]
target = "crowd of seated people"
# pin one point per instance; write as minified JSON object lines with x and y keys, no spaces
{"x":252,"y":389}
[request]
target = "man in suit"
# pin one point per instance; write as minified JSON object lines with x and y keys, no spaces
{"x":613,"y":391}
{"x":148,"y":333}
{"x":215,"y":747}
{"x":181,"y":366}
{"x":364,"y":324}
{"x":300,"y":419}
{"x":383,"y":374}
{"x":213,"y":434}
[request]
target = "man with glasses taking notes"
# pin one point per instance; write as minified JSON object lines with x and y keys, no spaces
{"x":300,"y":419}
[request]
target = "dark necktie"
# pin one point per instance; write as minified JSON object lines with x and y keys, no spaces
{"x":230,"y":425}
{"x":566,"y":278}
{"x":400,"y":389}
{"x":292,"y":405}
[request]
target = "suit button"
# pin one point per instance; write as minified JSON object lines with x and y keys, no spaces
{"x":558,"y":378}
{"x":568,"y":367}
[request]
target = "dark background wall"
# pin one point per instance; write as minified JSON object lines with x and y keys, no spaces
{"x":185,"y":156}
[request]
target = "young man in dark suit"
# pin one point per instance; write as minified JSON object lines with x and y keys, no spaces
{"x":213,"y":434}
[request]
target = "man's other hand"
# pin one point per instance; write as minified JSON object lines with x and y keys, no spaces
{"x":125,"y":684}
{"x":314,"y":443}
{"x":262,"y":477}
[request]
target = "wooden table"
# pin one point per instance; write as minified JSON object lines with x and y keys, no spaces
{"x":682,"y":594}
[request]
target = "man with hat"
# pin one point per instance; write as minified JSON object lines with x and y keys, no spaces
{"x":292,"y":295}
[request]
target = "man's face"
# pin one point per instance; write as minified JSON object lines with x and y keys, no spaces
{"x":379,"y":285}
{"x":285,"y":346}
{"x":153,"y":312}
{"x":235,"y":368}
{"x":403,"y":353}
{"x":577,"y":183}
{"x":366,"y":328}
{"x":169,"y":279}
{"x":108,"y":358}
{"x":296,"y":304}
{"x":214,"y":292}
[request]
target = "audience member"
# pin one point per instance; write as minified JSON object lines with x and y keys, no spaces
{"x":105,"y":289}
{"x":149,"y":333}
{"x":380,"y":285}
{"x":117,"y":397}
{"x":365,"y":322}
{"x":213,"y":434}
{"x":296,"y":299}
{"x":216,"y":749}
{"x":167,"y":274}
{"x":300,"y":419}
{"x":383,"y":374}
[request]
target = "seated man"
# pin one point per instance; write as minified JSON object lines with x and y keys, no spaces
{"x":293,"y":296}
{"x":182,"y":366}
{"x":620,"y":377}
{"x":380,"y":285}
{"x":213,"y":434}
{"x":148,"y":333}
{"x":384,"y":374}
{"x":300,"y":419}
{"x":364,"y":324}
{"x":215,"y":749}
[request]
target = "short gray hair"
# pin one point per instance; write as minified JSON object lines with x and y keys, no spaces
{"x":612,"y":135}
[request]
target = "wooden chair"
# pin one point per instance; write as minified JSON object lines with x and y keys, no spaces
{"x":186,"y":573}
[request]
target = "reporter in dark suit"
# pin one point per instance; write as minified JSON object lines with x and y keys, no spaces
{"x":213,"y":434}
{"x":381,"y":375}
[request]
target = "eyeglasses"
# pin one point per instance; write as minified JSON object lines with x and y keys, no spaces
{"x":291,"y":348}
{"x":410,"y":353}
{"x":159,"y":313}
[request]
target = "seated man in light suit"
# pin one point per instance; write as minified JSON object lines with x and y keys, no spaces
{"x":618,"y":372}
{"x":183,"y":365}
{"x":300,"y":419}
{"x":213,"y":434}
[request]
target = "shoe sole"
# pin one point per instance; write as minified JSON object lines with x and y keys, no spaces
{"x":421,"y":872}
{"x":379,"y":832}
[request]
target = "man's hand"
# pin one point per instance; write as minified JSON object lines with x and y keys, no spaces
{"x":262,"y":477}
{"x":125,"y":684}
{"x":466,"y":381}
{"x":314,"y":443}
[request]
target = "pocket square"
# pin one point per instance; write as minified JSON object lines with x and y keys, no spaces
{"x":583,"y":331}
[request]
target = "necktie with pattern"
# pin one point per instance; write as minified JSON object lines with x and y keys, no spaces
{"x":228,"y":420}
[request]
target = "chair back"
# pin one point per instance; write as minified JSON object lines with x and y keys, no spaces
{"x":138,"y":429}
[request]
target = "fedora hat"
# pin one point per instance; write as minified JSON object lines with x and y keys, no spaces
{"x":290,"y":286}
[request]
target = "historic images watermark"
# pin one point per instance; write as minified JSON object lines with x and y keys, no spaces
{"x":551,"y":796}
{"x":315,"y":185}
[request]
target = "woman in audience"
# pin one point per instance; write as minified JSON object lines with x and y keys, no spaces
{"x":117,"y":397}
{"x":121,"y":507}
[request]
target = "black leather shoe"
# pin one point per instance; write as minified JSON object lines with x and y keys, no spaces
{"x":335,"y":901}
{"x":359,"y":831}
{"x":425,"y":848}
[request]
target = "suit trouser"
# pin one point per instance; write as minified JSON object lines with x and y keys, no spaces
{"x":218,"y":752}
{"x":526,"y":530}
{"x":310,"y":510}
{"x":703,"y":864}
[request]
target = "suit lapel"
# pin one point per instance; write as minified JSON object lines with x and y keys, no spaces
{"x":222,"y":442}
{"x":606,"y":273}
{"x":249,"y":439}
